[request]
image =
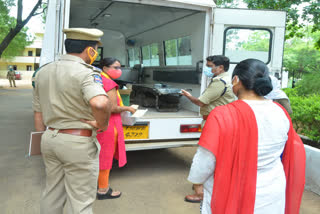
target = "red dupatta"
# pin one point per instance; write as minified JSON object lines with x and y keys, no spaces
{"x":232,"y":137}
{"x":294,"y":164}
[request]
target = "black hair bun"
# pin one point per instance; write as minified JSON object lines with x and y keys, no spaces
{"x":262,"y":86}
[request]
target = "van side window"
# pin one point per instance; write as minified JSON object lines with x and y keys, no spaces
{"x":178,"y":51}
{"x":150,"y":55}
{"x":244,"y":43}
{"x":134,"y":56}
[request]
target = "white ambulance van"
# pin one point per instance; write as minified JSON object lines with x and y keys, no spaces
{"x":162,"y":45}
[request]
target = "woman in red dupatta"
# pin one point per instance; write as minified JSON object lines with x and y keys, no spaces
{"x":239,"y":154}
{"x":111,"y":140}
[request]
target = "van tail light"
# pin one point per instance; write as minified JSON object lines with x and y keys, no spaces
{"x":190,"y":128}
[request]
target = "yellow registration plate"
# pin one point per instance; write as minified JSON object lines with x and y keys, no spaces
{"x":136,"y":132}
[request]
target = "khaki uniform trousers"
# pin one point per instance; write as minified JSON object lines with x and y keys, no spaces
{"x":72,"y":169}
{"x":12,"y":81}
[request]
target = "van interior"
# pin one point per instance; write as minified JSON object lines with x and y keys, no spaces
{"x":160,"y":49}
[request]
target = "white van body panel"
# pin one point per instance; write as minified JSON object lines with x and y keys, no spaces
{"x":245,"y":18}
{"x":49,"y":45}
{"x":186,"y":4}
{"x":198,"y":19}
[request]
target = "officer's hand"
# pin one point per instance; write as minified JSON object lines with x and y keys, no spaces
{"x":94,"y":124}
{"x":185,"y":93}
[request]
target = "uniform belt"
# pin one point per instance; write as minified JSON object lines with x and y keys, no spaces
{"x":78,"y":132}
{"x":204,"y":117}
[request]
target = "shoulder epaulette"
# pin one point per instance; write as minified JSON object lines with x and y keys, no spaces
{"x":95,"y":69}
{"x":224,"y":82}
{"x":225,"y":87}
{"x":43,"y":66}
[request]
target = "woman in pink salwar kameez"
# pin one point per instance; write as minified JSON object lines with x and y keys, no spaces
{"x":111,"y":140}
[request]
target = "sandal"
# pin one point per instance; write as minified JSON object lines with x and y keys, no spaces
{"x":107,"y":195}
{"x":195,"y":198}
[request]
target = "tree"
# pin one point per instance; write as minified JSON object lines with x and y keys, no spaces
{"x":248,"y":40}
{"x":232,"y":35}
{"x":226,"y":3}
{"x":6,"y":23}
{"x":13,"y":30}
{"x":310,"y":14}
{"x":300,"y":55}
{"x":257,"y":41}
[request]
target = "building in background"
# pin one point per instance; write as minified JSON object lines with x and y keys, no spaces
{"x":29,"y":59}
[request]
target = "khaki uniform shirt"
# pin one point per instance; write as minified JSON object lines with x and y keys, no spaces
{"x":11,"y":74}
{"x":63,"y":90}
{"x":212,"y":98}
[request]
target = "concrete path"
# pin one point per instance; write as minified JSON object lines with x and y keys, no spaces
{"x":153,"y":182}
{"x":24,"y":83}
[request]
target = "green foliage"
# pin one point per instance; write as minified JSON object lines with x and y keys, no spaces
{"x":310,"y":14}
{"x":154,"y":51}
{"x":227,"y":3}
{"x":232,"y":35}
{"x":258,"y":41}
{"x":171,"y":48}
{"x":306,"y":113}
{"x":308,"y":85}
{"x":300,"y":55}
{"x":18,"y":44}
{"x":305,"y":97}
{"x":22,"y":39}
{"x":44,"y":8}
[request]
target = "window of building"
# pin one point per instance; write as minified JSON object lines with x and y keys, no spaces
{"x":178,"y":51}
{"x":150,"y":55}
{"x":244,"y":43}
{"x":134,"y":56}
{"x":29,"y":67}
{"x":38,"y":52}
{"x":30,"y":53}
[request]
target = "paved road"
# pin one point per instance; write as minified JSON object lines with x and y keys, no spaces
{"x":153,"y":181}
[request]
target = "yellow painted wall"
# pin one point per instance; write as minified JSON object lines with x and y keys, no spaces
{"x":25,"y":52}
{"x":3,"y":66}
{"x":23,"y":66}
{"x":20,"y":66}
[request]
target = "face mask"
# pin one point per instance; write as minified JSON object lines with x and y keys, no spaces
{"x":94,"y":57}
{"x":114,"y":73}
{"x":208,"y":71}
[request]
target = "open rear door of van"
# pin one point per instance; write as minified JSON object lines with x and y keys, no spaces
{"x":241,"y":34}
{"x":53,"y":38}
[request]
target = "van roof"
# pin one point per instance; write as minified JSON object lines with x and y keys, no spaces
{"x":205,"y":3}
{"x":129,"y":17}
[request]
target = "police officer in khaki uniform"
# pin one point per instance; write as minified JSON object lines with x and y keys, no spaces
{"x":69,"y":100}
{"x":11,"y":77}
{"x":217,"y":93}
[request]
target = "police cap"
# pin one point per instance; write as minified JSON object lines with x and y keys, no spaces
{"x":88,"y":34}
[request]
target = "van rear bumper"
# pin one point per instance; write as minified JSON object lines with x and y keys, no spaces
{"x":132,"y":146}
